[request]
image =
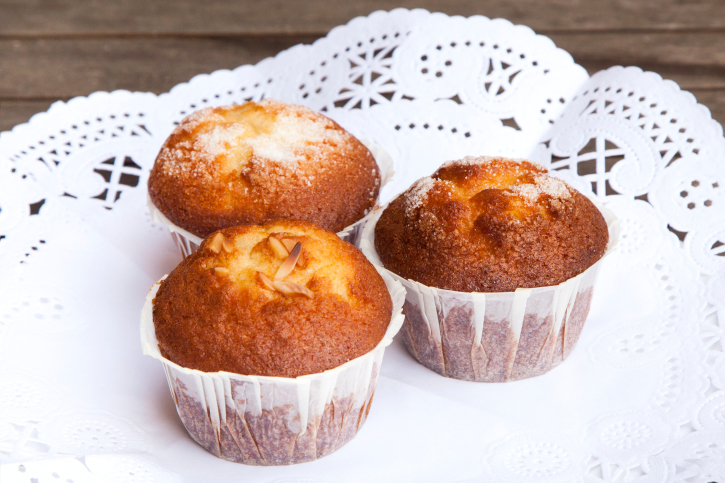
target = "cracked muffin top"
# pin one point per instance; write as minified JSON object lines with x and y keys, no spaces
{"x":283,"y":299}
{"x":258,"y":162}
{"x":490,"y":224}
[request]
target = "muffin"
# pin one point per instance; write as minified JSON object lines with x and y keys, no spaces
{"x":258,"y":162}
{"x":272,"y":338}
{"x":499,"y":260}
{"x":490,"y":225}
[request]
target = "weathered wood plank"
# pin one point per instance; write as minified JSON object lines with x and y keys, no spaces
{"x":19,"y":111}
{"x":694,"y":60}
{"x":41,"y":68}
{"x":714,"y":99}
{"x":14,"y":112}
{"x":73,"y":17}
{"x":68,"y":68}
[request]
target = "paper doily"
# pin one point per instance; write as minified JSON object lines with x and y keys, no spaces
{"x":642,"y":397}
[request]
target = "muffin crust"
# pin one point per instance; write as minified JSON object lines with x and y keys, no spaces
{"x":215,"y":312}
{"x":490,"y":225}
{"x":258,"y":162}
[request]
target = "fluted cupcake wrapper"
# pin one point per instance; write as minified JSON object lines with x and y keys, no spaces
{"x":497,"y":336}
{"x":188,"y":243}
{"x":260,"y":420}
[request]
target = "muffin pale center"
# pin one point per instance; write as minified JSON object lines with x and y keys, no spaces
{"x":262,"y":134}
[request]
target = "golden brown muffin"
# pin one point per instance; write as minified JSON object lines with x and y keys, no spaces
{"x":258,"y":162}
{"x":490,"y":225}
{"x":232,"y":307}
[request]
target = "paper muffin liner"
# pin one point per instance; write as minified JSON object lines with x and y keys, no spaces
{"x":261,"y":420}
{"x":188,"y":243}
{"x":497,"y":336}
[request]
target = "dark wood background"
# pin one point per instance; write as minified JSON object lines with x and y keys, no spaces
{"x":57,"y":49}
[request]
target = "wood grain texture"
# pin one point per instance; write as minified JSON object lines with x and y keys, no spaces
{"x":714,"y":100}
{"x":35,"y":68}
{"x":693,"y":60}
{"x":83,"y":17}
{"x":13,"y":112}
{"x":72,"y":67}
{"x":58,"y":49}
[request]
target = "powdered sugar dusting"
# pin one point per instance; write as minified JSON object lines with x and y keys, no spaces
{"x":202,"y":116}
{"x":295,"y":138}
{"x":543,"y":185}
{"x":182,"y":162}
{"x":473,"y":160}
{"x":553,"y":187}
{"x":530,"y":192}
{"x":291,"y":136}
{"x":417,"y":194}
{"x":219,"y":139}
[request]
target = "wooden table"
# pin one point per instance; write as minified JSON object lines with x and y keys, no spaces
{"x":57,"y":49}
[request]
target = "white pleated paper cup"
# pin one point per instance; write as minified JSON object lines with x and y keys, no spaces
{"x":188,"y":243}
{"x":496,"y":336}
{"x":261,"y":420}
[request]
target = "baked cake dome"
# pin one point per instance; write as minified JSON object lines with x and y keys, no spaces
{"x":261,"y":161}
{"x":490,"y":224}
{"x":283,"y":299}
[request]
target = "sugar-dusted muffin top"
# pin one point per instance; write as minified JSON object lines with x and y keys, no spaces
{"x":258,"y":162}
{"x":490,"y":225}
{"x":283,"y":299}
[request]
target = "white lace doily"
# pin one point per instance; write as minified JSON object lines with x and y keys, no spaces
{"x":642,"y":397}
